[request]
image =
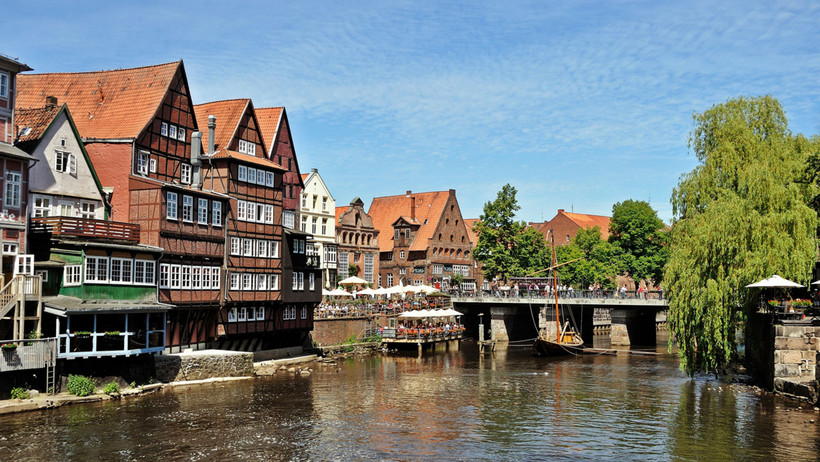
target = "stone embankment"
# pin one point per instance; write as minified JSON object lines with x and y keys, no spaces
{"x":796,"y":351}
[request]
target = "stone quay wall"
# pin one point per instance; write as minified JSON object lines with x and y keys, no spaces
{"x":333,"y":331}
{"x":796,"y":350}
{"x":203,"y":364}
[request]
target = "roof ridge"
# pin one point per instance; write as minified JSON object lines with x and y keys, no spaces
{"x":102,"y":71}
{"x":271,"y":107}
{"x":223,"y":101}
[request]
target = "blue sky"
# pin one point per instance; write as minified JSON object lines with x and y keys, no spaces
{"x":578,"y":104}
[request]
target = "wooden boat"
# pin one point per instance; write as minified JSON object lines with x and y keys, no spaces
{"x":565,"y":340}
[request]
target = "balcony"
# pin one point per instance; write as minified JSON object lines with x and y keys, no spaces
{"x":86,"y":228}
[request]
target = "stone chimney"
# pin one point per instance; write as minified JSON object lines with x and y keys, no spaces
{"x":196,"y":158}
{"x":211,"y":128}
{"x":51,"y":102}
{"x":412,"y":207}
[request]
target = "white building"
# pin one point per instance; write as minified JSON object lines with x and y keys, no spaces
{"x":318,"y":217}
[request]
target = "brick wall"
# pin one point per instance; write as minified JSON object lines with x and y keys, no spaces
{"x":335,"y":331}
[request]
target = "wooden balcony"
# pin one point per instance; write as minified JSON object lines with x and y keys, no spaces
{"x":86,"y":228}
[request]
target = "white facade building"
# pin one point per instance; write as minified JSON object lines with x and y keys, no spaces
{"x":317,"y":215}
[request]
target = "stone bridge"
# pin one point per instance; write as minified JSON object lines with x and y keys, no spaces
{"x":632,"y":319}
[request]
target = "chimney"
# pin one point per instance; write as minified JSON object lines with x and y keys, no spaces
{"x":196,"y":158}
{"x":314,"y":170}
{"x":560,"y":210}
{"x":211,"y":128}
{"x":412,"y":207}
{"x":51,"y":102}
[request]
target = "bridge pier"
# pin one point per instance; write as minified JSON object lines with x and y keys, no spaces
{"x":632,"y":326}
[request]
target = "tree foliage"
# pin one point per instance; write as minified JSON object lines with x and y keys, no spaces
{"x":599,"y":260}
{"x":639,"y":234}
{"x":741,"y":215}
{"x":506,"y":247}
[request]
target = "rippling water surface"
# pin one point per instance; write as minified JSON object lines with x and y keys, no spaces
{"x":450,"y":405}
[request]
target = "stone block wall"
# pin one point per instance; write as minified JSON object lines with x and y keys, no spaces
{"x":796,"y":350}
{"x":203,"y":364}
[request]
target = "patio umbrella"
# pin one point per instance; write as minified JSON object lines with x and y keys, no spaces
{"x":775,"y":281}
{"x":367,"y":291}
{"x":352,"y":280}
{"x":325,"y":292}
{"x":340,"y":293}
{"x":426,"y":289}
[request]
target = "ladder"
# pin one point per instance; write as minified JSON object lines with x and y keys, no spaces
{"x":51,"y":368}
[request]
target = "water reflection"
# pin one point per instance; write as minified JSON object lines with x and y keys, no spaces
{"x":453,"y":405}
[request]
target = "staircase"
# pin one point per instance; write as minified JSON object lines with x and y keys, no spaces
{"x":13,"y":299}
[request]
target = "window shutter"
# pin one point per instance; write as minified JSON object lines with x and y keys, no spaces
{"x":72,"y":164}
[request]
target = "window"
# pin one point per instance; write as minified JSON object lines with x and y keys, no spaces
{"x":215,"y":272}
{"x":206,"y":277}
{"x":172,"y":131}
{"x":261,"y":281}
{"x":196,"y":277}
{"x":66,"y":208}
{"x":14,"y":186}
{"x":401,"y":254}
{"x":243,"y":173}
{"x":187,"y":208}
{"x":216,"y":213}
{"x":185,"y":173}
{"x":260,"y":178}
{"x":269,"y":179}
{"x":235,"y":246}
{"x":274,"y":250}
{"x":260,"y":313}
{"x":234,"y":281}
{"x":152,"y":165}
{"x":288,"y":219}
{"x":247,"y":247}
{"x":402,"y":270}
{"x":243,"y":314}
{"x":144,"y":272}
{"x":390,"y":280}
{"x":330,"y":254}
{"x":251,"y":314}
{"x":251,"y":175}
{"x":407,"y":233}
{"x":324,"y":226}
{"x":164,"y":272}
{"x":181,"y":134}
{"x":260,"y":213}
{"x":368,"y":267}
{"x":43,"y":275}
{"x":324,"y":203}
{"x":313,"y":225}
{"x":202,"y":211}
{"x":171,"y":206}
{"x":343,"y":264}
{"x":4,"y":85}
{"x":396,"y":234}
{"x":295,"y":281}
{"x":96,"y":269}
{"x":163,"y":129}
{"x":304,"y":201}
{"x":269,"y":214}
{"x":42,"y":206}
{"x":142,"y":163}
{"x":250,"y":211}
{"x":438,"y":269}
{"x":241,"y":210}
{"x":88,"y":210}
{"x":232,"y":315}
{"x":186,"y":277}
{"x":71,"y":275}
{"x":175,"y":276}
{"x":311,"y":282}
{"x":274,"y":281}
{"x":120,"y":270}
{"x":247,"y":281}
{"x":65,"y":162}
{"x":304,"y":224}
{"x":246,"y":147}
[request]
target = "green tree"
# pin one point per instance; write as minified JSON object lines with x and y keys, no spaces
{"x":741,"y":215}
{"x":506,"y":247}
{"x":638,"y":232}
{"x":599,"y":260}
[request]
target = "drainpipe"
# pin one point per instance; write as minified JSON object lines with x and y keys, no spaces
{"x":196,"y":158}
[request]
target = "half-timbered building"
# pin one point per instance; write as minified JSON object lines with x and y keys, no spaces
{"x":137,"y":126}
{"x":275,"y":128}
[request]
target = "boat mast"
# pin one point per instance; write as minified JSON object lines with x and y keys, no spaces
{"x":555,"y":288}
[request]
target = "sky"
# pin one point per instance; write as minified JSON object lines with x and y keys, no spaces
{"x":577,"y":104}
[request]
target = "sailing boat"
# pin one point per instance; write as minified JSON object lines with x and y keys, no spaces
{"x":564,"y":340}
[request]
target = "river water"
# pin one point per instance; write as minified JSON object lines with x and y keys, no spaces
{"x":448,"y":405}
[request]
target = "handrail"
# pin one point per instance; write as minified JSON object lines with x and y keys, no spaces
{"x":86,"y":227}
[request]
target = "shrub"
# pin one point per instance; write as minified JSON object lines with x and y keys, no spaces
{"x":19,"y":393}
{"x":111,"y":388}
{"x":80,"y":385}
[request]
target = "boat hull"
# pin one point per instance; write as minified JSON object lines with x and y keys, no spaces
{"x":550,"y":348}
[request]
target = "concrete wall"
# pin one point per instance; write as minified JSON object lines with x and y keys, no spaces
{"x":335,"y":331}
{"x":203,"y":364}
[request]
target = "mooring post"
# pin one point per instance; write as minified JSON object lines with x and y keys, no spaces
{"x":481,"y":332}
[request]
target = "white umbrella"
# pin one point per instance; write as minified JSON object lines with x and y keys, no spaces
{"x":326,"y":292}
{"x":451,"y":312}
{"x":410,"y":289}
{"x":815,"y":282}
{"x":340,"y":293}
{"x":426,"y":289}
{"x":775,"y":281}
{"x":367,"y":291}
{"x":352,"y":280}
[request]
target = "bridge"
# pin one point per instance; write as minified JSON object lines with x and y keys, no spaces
{"x":632,"y":318}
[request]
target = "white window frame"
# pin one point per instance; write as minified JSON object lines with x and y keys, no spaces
{"x":273,"y":283}
{"x":274,"y":253}
{"x":247,"y":281}
{"x":251,"y":175}
{"x":202,"y":211}
{"x":181,"y":134}
{"x":14,"y":189}
{"x":164,"y":276}
{"x":216,"y":213}
{"x":121,"y":271}
{"x":40,"y":210}
{"x":234,"y":283}
{"x":172,"y":131}
{"x":242,"y":173}
{"x":171,"y":206}
{"x":187,"y":208}
{"x":312,"y":282}
{"x":304,"y":313}
{"x":65,"y":162}
{"x":163,"y":129}
{"x":96,"y":274}
{"x":175,"y":276}
{"x":147,"y":269}
{"x":72,"y":275}
{"x":206,"y":277}
{"x":196,"y":277}
{"x":269,"y":179}
{"x":142,"y":163}
{"x":261,"y":248}
{"x":216,"y":271}
{"x":236,"y":246}
{"x":247,"y":247}
{"x":241,"y":210}
{"x":232,"y":314}
{"x":185,"y":173}
{"x":243,"y":314}
{"x":88,"y":210}
{"x":261,"y":281}
{"x":5,"y":82}
{"x":185,"y":277}
{"x":250,"y":211}
{"x":152,"y":165}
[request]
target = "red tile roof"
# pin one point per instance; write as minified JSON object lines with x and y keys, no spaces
{"x":228,"y":115}
{"x":304,"y":176}
{"x":340,"y":211}
{"x":469,"y":223}
{"x":37,"y":120}
{"x":429,"y":208}
{"x":589,"y":221}
{"x":227,"y":154}
{"x":114,"y":104}
{"x":268,"y":118}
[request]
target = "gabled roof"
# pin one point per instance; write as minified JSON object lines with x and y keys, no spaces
{"x":268,"y":118}
{"x":114,"y":104}
{"x":304,"y":177}
{"x":589,"y":221}
{"x":228,"y":154}
{"x":32,"y":123}
{"x":469,"y":223}
{"x":428,"y":211}
{"x":228,"y":115}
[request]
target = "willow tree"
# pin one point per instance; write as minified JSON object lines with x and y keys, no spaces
{"x":740,"y":215}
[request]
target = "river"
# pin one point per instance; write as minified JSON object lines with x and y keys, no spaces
{"x":448,"y":405}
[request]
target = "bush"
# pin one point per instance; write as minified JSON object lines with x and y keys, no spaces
{"x":111,"y":388}
{"x":19,"y":393}
{"x":80,"y":385}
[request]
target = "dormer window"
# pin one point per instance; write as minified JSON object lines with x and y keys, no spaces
{"x":407,"y":233}
{"x":246,"y":147}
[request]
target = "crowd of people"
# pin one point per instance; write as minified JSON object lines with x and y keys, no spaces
{"x":595,"y":290}
{"x":343,"y":308}
{"x":419,"y":328}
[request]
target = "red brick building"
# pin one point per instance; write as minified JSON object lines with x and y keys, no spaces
{"x":422,"y":239}
{"x":565,"y":225}
{"x":137,"y":125}
{"x":358,"y":241}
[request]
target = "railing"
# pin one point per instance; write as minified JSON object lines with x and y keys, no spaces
{"x":19,"y":355}
{"x":602,"y":294}
{"x":429,"y":334}
{"x":86,"y":227}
